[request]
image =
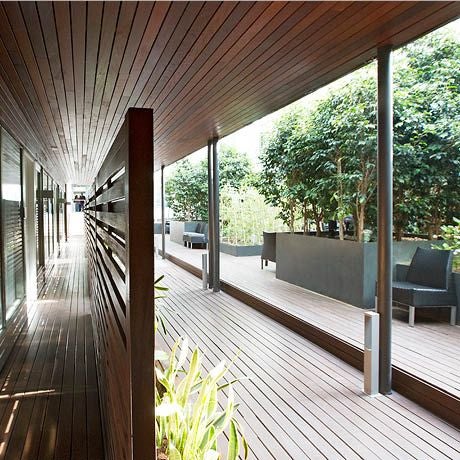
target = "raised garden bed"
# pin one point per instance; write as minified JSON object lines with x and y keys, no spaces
{"x":344,"y":270}
{"x":241,"y":251}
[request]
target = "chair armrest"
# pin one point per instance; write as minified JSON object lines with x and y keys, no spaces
{"x":401,"y":272}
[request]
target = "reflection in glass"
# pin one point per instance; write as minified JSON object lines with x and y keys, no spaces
{"x":12,"y":223}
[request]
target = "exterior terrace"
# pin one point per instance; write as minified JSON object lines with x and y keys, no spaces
{"x":96,"y":96}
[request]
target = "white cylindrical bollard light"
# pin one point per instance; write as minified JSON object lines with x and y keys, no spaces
{"x":204,"y":270}
{"x":371,"y":353}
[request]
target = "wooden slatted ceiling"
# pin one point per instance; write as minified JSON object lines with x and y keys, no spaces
{"x":69,"y":71}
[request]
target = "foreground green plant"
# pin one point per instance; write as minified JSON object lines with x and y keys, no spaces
{"x":159,"y":320}
{"x":187,"y":414}
{"x":451,"y":236}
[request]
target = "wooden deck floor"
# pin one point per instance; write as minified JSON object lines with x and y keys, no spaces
{"x":49,"y":405}
{"x":430,"y":350}
{"x":300,"y":402}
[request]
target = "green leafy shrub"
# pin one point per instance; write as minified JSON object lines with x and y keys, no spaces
{"x":187,"y":414}
{"x":451,"y":236}
{"x":245,"y":216}
{"x":158,"y":310}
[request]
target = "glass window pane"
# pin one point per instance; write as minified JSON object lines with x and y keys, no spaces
{"x":12,"y":222}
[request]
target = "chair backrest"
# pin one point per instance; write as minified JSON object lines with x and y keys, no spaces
{"x":431,"y":267}
{"x":269,"y":247}
{"x":199,"y":227}
{"x":204,"y":229}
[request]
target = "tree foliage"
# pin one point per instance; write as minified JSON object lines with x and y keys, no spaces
{"x":186,"y":190}
{"x":321,"y":163}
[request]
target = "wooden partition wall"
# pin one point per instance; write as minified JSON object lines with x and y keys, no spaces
{"x":119,"y":234}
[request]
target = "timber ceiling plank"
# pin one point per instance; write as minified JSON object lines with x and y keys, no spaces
{"x":233,"y":74}
{"x":64,"y":41}
{"x":252,"y":22}
{"x":70,"y":70}
{"x":109,"y":23}
{"x":160,"y":41}
{"x":122,"y":33}
{"x":300,"y":76}
{"x":78,"y":13}
{"x":131,"y":69}
{"x":249,"y":12}
{"x":9,"y":74}
{"x":14,"y":119}
{"x":21,"y":38}
{"x":266,"y":101}
{"x":277,"y":72}
{"x":93,"y":30}
{"x":44,"y":41}
{"x":140,"y":22}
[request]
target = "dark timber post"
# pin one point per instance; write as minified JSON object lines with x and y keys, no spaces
{"x":216,"y":226}
{"x":210,"y":217}
{"x":385,"y":213}
{"x":163,"y":228}
{"x":140,"y":278}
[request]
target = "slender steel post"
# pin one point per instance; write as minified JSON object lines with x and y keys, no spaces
{"x":216,"y":226}
{"x":385,"y":213}
{"x":66,"y":195}
{"x":210,"y":217}
{"x":41,"y":223}
{"x":163,"y":223}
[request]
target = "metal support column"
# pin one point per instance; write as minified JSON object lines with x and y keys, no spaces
{"x":66,"y":210}
{"x":385,"y":213}
{"x":163,"y":223}
{"x":216,"y":226}
{"x":210,"y":217}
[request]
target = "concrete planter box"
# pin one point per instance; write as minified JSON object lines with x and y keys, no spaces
{"x":344,"y":270}
{"x":177,"y":229}
{"x":240,"y":251}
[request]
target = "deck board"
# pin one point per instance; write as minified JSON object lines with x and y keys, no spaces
{"x":49,"y":379}
{"x":430,"y":350}
{"x":301,"y":402}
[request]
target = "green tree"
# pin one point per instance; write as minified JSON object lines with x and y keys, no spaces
{"x":427,"y":133}
{"x":186,"y":190}
{"x":341,"y":141}
{"x":280,"y":175}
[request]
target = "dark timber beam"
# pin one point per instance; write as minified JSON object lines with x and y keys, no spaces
{"x":163,"y":228}
{"x":216,"y":226}
{"x":385,"y":213}
{"x":210,"y":218}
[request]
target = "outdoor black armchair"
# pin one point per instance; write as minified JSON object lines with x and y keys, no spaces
{"x":426,"y":283}
{"x":268,"y":249}
{"x":199,"y":236}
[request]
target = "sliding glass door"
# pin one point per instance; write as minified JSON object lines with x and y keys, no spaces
{"x":12,"y":225}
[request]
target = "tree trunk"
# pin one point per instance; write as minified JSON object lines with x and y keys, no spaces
{"x":305,"y":219}
{"x":341,"y":229}
{"x":360,"y":223}
{"x":399,"y":232}
{"x":340,"y":209}
{"x":317,"y":215}
{"x":291,"y":216}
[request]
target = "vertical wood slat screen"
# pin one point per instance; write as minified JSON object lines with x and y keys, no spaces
{"x":119,"y":238}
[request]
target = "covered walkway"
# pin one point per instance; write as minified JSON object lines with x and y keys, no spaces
{"x":49,"y":404}
{"x":300,"y":401}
